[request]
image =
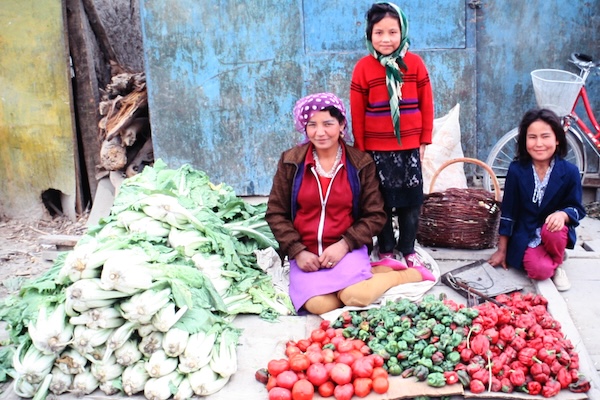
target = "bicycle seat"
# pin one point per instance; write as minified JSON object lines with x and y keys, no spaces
{"x":582,"y":60}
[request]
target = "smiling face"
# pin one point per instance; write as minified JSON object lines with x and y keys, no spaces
{"x":386,"y":35}
{"x":541,"y":142}
{"x":324,"y":130}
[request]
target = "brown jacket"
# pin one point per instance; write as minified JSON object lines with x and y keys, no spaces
{"x":370,"y":215}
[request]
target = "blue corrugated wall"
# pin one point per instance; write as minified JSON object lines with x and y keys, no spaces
{"x":223,"y":76}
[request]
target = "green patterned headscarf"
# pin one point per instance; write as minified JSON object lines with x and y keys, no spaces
{"x":392,"y":63}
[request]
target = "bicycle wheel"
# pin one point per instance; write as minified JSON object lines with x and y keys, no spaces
{"x":503,"y":153}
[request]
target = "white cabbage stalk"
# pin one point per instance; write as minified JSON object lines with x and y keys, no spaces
{"x":99,"y":318}
{"x":97,"y":353}
{"x":175,"y":341}
{"x":34,"y":365}
{"x":110,"y":388}
{"x":71,"y":362}
{"x":205,"y":381}
{"x":50,"y":334}
{"x":118,"y":337}
{"x":189,"y":242}
{"x":151,"y":227}
{"x":197,"y":352}
{"x":84,"y":383}
{"x":106,"y":370}
{"x":134,"y":378}
{"x":127,"y":217}
{"x":167,"y":209}
{"x":24,"y":389}
{"x":128,"y":353}
{"x":141,"y":307}
{"x":85,"y":339}
{"x":146,"y":329}
{"x":213,"y":267}
{"x":42,"y":388}
{"x":166,"y":317}
{"x":60,"y":382}
{"x":224,"y":356}
{"x":77,"y":264}
{"x":129,"y":272}
{"x":84,"y":294}
{"x":151,"y":343}
{"x":159,"y":364}
{"x":184,"y":390}
{"x":160,"y":388}
{"x":112,"y":230}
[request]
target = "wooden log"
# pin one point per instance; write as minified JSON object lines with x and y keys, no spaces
{"x":113,"y":156}
{"x":139,"y":127}
{"x":129,"y":110}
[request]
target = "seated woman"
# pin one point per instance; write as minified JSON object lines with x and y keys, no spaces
{"x":324,"y":209}
{"x":542,"y":202}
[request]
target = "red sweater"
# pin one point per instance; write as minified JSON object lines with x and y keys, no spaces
{"x":372,"y":124}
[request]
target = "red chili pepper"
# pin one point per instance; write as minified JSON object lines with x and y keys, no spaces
{"x":551,"y":388}
{"x":507,"y":333}
{"x":496,"y":385}
{"x":518,"y":343}
{"x":476,"y":386}
{"x":526,"y":355}
{"x":492,"y":334}
{"x":564,"y":378}
{"x":540,"y":372}
{"x":482,"y":375}
{"x":466,"y":354}
{"x":507,"y":386}
{"x":580,"y":386}
{"x":534,"y":388}
{"x":525,"y":321}
{"x":480,"y":344}
{"x":546,"y":355}
{"x":497,"y":365}
{"x":517,"y":377}
{"x":451,"y":377}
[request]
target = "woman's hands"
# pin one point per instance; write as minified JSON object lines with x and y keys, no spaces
{"x":310,"y":262}
{"x":556,"y":221}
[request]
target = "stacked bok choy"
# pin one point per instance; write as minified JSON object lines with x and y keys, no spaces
{"x":144,"y":302}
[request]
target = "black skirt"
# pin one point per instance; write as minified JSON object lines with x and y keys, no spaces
{"x":400,"y":177}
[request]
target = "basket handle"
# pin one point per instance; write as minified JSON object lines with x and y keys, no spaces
{"x":472,"y":161}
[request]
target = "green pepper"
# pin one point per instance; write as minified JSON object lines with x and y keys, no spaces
{"x":403,"y":355}
{"x":413,"y":358}
{"x":374,"y":344}
{"x":455,"y":338}
{"x":421,"y":372}
{"x":350,"y":332}
{"x":426,"y":362}
{"x":419,"y":346}
{"x":453,"y":357}
{"x":364,"y":335}
{"x":408,"y":337}
{"x":394,"y":369}
{"x":383,"y":353}
{"x":402,"y":345}
{"x":429,"y":350}
{"x":438,"y":329}
{"x":405,"y":323}
{"x":461,"y":319}
{"x":329,"y":346}
{"x":380,"y":332}
{"x":446,"y":320}
{"x":424,"y":333}
{"x":364,"y":325}
{"x":392,"y":360}
{"x":444,"y":340}
{"x":469,"y":312}
{"x":392,"y":348}
{"x":464,"y":377}
{"x":436,"y":379}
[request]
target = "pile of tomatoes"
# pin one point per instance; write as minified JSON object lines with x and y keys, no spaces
{"x":327,"y":363}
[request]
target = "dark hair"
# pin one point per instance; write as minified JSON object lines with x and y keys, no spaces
{"x":335,"y":113}
{"x":547,"y":116}
{"x":376,"y":13}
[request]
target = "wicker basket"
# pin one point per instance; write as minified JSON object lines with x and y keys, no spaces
{"x":460,"y":218}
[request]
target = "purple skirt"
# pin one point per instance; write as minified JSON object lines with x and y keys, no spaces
{"x":353,"y":268}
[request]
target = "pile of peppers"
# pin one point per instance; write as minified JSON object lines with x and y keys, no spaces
{"x":515,"y":347}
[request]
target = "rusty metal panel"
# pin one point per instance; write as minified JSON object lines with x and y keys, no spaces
{"x":36,"y":129}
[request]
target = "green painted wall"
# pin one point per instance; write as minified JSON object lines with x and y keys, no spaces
{"x":36,"y":128}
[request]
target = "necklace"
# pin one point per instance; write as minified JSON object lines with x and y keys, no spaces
{"x":336,"y":162}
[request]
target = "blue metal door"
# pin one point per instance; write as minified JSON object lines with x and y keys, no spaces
{"x":224,"y":75}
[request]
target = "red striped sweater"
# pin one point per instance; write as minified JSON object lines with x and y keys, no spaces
{"x":372,"y":124}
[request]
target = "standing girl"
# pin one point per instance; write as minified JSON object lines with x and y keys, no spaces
{"x":392,"y":118}
{"x":541,"y":205}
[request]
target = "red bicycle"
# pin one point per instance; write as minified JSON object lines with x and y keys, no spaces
{"x":561,"y":91}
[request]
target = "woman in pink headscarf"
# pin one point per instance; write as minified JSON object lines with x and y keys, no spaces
{"x":324,"y":209}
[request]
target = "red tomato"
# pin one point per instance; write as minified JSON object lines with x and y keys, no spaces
{"x":381,"y":384}
{"x":286,"y":379}
{"x":362,"y":386}
{"x":299,"y":362}
{"x":315,"y":356}
{"x":328,"y":355}
{"x":271,"y":383}
{"x":290,"y":350}
{"x":275,"y":367}
{"x":326,"y":389}
{"x":379,"y":371}
{"x":303,"y":344}
{"x":344,"y":346}
{"x":318,"y":335}
{"x":325,"y":324}
{"x":343,"y":392}
{"x":345,"y":358}
{"x":356,"y":354}
{"x":303,"y":390}
{"x":301,"y":375}
{"x":357,"y":343}
{"x":341,"y":374}
{"x":315,"y":346}
{"x":336,"y":340}
{"x":362,"y":368}
{"x":330,"y":332}
{"x":279,"y":393}
{"x":377,"y":360}
{"x":317,"y":374}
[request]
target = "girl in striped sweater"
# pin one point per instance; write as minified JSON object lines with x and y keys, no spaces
{"x":392,"y":119}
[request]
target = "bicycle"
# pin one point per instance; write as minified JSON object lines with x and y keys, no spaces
{"x":561,"y":91}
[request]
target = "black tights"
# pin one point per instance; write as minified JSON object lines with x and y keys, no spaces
{"x":408,"y":224}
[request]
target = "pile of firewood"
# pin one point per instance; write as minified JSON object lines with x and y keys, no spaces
{"x":124,"y":128}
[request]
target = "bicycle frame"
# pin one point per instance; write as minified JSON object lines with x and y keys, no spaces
{"x":592,"y":138}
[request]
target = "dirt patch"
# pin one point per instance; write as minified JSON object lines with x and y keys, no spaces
{"x":21,"y":249}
